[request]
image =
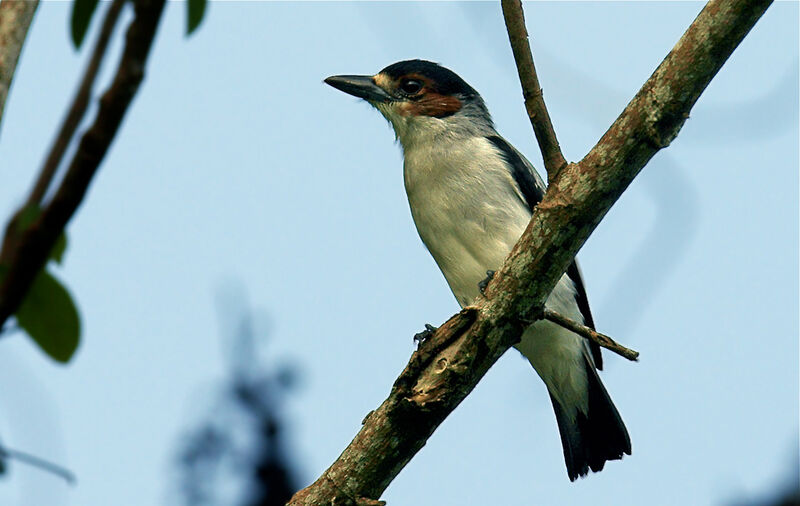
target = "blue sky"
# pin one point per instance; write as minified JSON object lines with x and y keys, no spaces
{"x":237,"y":162}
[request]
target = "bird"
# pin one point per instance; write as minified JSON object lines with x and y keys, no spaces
{"x":471,"y":195}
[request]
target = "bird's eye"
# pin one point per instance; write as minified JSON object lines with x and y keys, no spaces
{"x":410,"y":86}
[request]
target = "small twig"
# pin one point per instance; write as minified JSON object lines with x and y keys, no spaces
{"x":38,"y":462}
{"x":79,"y":105}
{"x":590,"y":334}
{"x":30,"y":252}
{"x":534,"y":100}
{"x":15,"y":20}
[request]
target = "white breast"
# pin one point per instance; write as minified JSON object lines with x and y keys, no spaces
{"x":466,"y":207}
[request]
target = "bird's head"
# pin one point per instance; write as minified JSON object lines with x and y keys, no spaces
{"x":421,"y":99}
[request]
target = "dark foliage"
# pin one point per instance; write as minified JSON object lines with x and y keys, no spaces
{"x":237,"y":455}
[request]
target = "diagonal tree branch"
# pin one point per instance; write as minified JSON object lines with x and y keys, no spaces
{"x":575,"y":202}
{"x":78,"y":107}
{"x":15,"y":20}
{"x":531,"y":91}
{"x":25,"y":256}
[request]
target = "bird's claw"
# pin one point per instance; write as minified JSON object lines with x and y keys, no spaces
{"x":421,"y":337}
{"x":483,"y":284}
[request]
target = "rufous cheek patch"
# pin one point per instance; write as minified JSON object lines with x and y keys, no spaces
{"x":436,"y":105}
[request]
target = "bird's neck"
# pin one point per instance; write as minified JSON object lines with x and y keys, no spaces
{"x":420,"y":132}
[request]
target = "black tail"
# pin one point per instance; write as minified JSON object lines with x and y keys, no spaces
{"x":592,"y":439}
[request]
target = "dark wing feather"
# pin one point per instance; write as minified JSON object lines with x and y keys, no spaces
{"x":530,"y":185}
{"x":574,"y":273}
{"x":532,"y":188}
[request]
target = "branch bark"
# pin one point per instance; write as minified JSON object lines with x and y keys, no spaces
{"x":575,"y":202}
{"x":78,"y":107}
{"x":531,"y":91}
{"x":25,"y":256}
{"x":15,"y":20}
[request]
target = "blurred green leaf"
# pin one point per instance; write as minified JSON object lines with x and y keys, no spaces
{"x":82,"y":11}
{"x":50,"y":317}
{"x":196,"y":9}
{"x":59,"y":248}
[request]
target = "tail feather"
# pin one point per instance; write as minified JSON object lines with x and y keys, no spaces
{"x":595,"y":437}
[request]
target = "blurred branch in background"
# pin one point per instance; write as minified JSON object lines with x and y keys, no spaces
{"x":8,"y":454}
{"x":237,"y":455}
{"x":79,"y":104}
{"x":35,"y":234}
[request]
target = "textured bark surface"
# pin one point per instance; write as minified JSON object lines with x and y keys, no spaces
{"x":450,"y":364}
{"x":15,"y":19}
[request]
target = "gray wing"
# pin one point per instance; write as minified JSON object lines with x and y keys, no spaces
{"x":532,"y":188}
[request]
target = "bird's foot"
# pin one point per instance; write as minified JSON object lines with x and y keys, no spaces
{"x":421,"y":337}
{"x":483,"y":284}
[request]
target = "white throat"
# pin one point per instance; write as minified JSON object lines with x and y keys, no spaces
{"x":415,"y":131}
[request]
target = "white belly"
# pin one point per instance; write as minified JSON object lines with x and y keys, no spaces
{"x":470,"y":217}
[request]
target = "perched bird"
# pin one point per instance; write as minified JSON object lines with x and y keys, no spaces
{"x":471,"y":196}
